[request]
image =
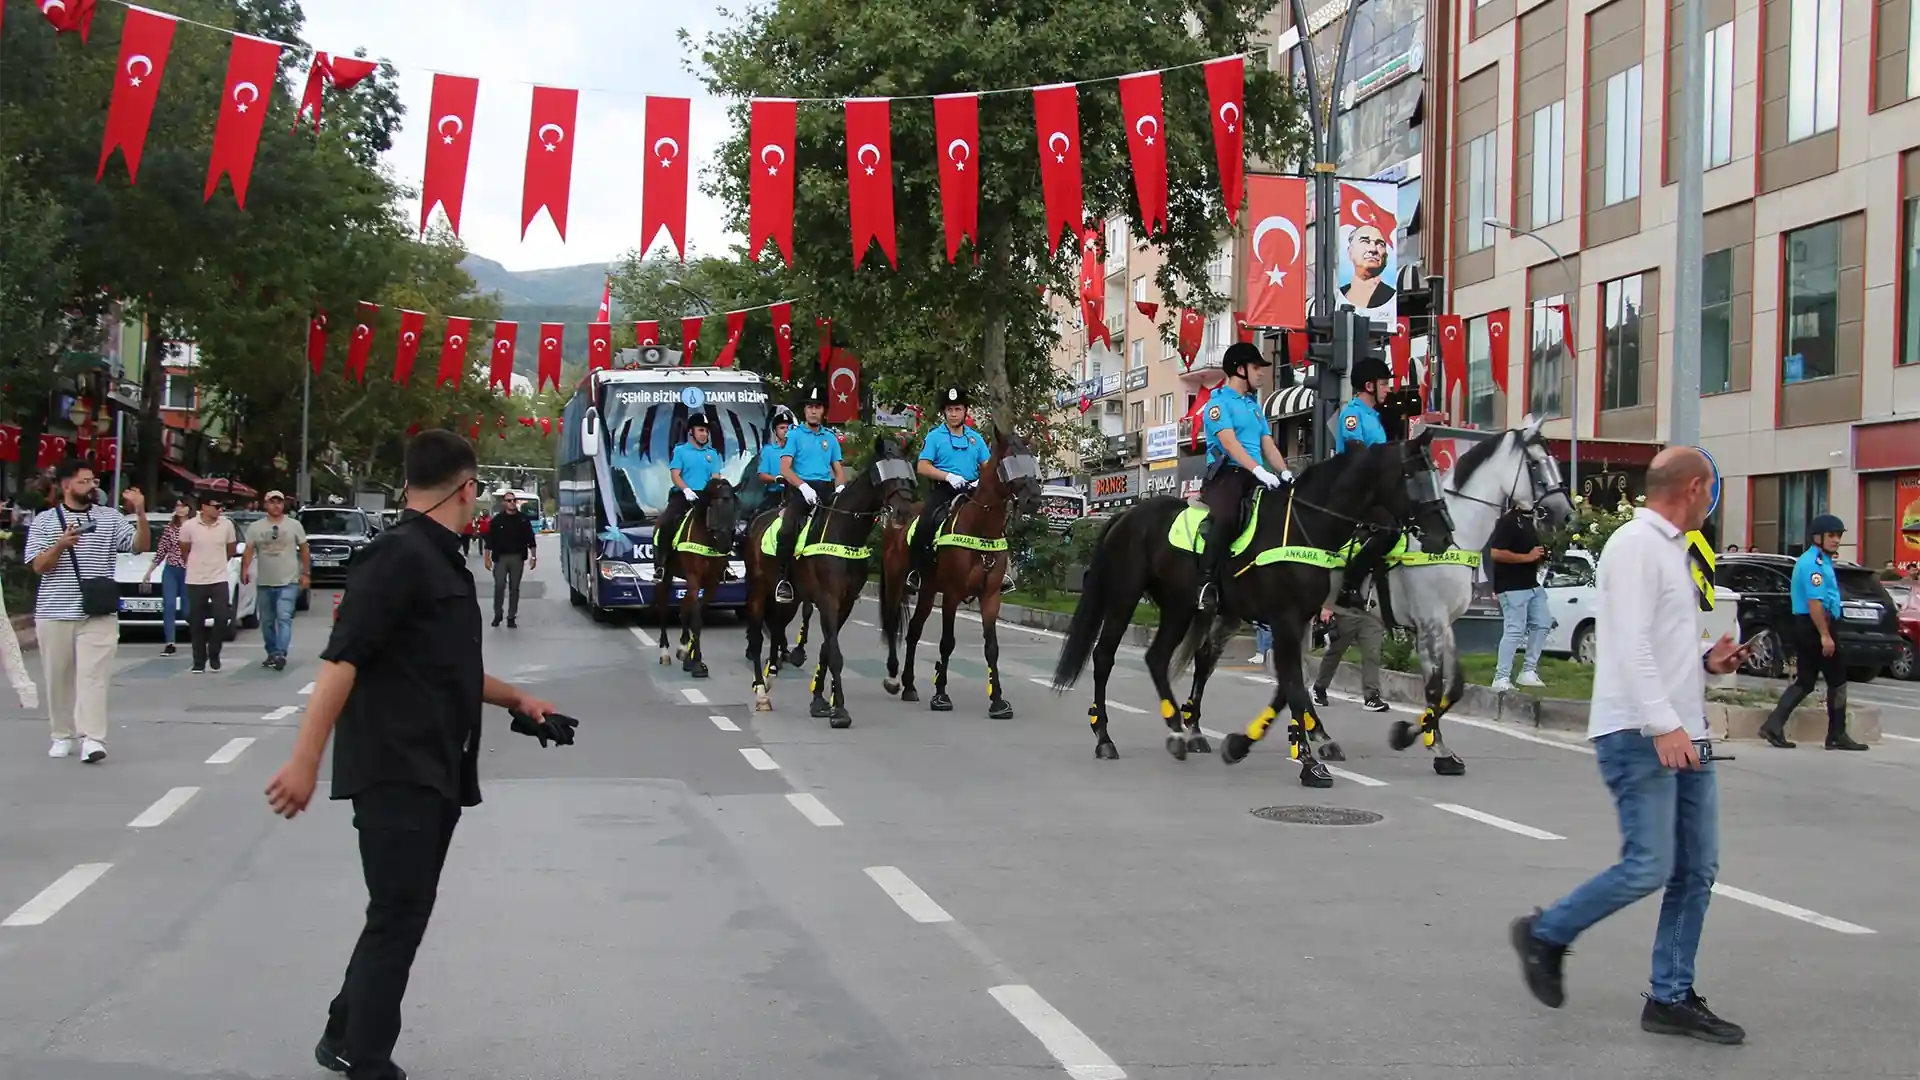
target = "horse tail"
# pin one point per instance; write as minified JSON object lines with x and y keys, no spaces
{"x":1197,"y":633}
{"x":1088,"y":615}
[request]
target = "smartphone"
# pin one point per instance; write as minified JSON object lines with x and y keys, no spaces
{"x":84,"y":525}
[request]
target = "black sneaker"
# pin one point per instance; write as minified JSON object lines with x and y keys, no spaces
{"x":214,"y":663}
{"x":1690,"y":1017}
{"x":169,"y":650}
{"x":1320,"y":696}
{"x":199,"y":669}
{"x":279,"y":663}
{"x":496,"y":620}
{"x":1540,"y":962}
{"x":1374,"y":704}
{"x":267,"y":663}
{"x":331,"y":1055}
{"x":513,"y":623}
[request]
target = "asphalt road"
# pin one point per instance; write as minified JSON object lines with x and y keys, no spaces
{"x":699,"y":891}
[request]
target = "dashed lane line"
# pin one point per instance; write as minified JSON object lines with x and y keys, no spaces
{"x":814,"y":810}
{"x":1497,"y":822}
{"x":759,"y":759}
{"x":234,"y":748}
{"x":1111,"y":704}
{"x":57,"y":895}
{"x":694,"y":697}
{"x":163,"y":808}
{"x":1791,"y":911}
{"x":1067,"y":1043}
{"x":281,"y":713}
{"x":1902,"y":738}
{"x":307,"y":689}
{"x":912,"y":900}
{"x":723,"y":723}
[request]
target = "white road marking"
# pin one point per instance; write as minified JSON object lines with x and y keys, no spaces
{"x":281,"y":713}
{"x":1348,"y":774}
{"x":1902,"y":738}
{"x":1512,"y":732}
{"x":861,"y":622}
{"x":1258,"y":679}
{"x":759,"y":759}
{"x":57,"y":895}
{"x":1485,"y":818}
{"x":163,"y":808}
{"x":723,"y":723}
{"x":1014,"y":626}
{"x":1068,"y":1044}
{"x":307,"y":689}
{"x":814,"y":810}
{"x":1791,"y":911}
{"x":917,"y":904}
{"x":1124,"y":707}
{"x":693,"y":696}
{"x":234,"y":748}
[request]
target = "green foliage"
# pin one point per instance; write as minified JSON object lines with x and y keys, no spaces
{"x":1590,"y":527}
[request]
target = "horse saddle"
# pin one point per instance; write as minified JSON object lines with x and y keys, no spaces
{"x":1190,"y":528}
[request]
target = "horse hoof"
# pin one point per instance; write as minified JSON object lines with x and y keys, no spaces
{"x":841,"y":719}
{"x":698,"y":670}
{"x":1235,"y":748}
{"x":1449,"y":766}
{"x":891,"y":686}
{"x":1106,"y":751}
{"x":940,"y":702}
{"x":797,"y":658}
{"x":1199,"y":744}
{"x":819,"y":709}
{"x":999,"y":710}
{"x":1315,"y":775}
{"x":773,"y":672}
{"x":762,"y":703}
{"x":1402,"y":735}
{"x":680,"y":652}
{"x":908,"y":693}
{"x":1330,"y":751}
{"x":664,"y":658}
{"x":1177,"y":746}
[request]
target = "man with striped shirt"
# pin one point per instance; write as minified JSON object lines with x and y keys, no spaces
{"x":71,"y":540}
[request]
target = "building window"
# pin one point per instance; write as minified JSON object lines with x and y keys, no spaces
{"x":1803,"y":496}
{"x":1813,"y":68}
{"x":1090,"y":367}
{"x":1717,"y":113}
{"x":1117,"y":238}
{"x":1138,"y":416}
{"x":1546,"y":359}
{"x":1482,"y":171}
{"x":1620,"y":343}
{"x":1910,"y":279}
{"x":1716,"y":322}
{"x":1479,"y":374}
{"x":1214,"y":340}
{"x":1137,"y":354}
{"x":1220,"y":270}
{"x":178,"y":392}
{"x":1812,"y":312}
{"x":1913,"y":50}
{"x":1165,"y":415}
{"x":1140,"y":289}
{"x":1549,"y":164}
{"x":1623,"y":137}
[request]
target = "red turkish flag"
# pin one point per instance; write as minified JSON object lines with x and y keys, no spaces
{"x":689,"y":339}
{"x":1093,"y":287}
{"x":1453,"y":351}
{"x":1299,"y":348}
{"x":770,"y":176}
{"x":448,"y":144}
{"x":453,"y":351}
{"x":549,"y":176}
{"x":1193,"y":328}
{"x":606,"y":301}
{"x":1199,"y":408}
{"x":1147,"y":308}
{"x":361,"y":346}
{"x":68,"y":16}
{"x":316,"y":340}
{"x":1566,"y":327}
{"x":144,"y":45}
{"x":339,"y":72}
{"x":956,"y":131}
{"x":870,"y":177}
{"x":413,"y":326}
{"x":736,"y":324}
{"x":646,"y":333}
{"x":1400,"y":348}
{"x":782,"y":313}
{"x":1497,"y":346}
{"x":843,"y":388}
{"x":9,"y":442}
{"x":663,"y":197}
{"x":1357,"y":210}
{"x":1276,"y":253}
{"x":53,"y":450}
{"x":1056,"y":115}
{"x":500,"y":370}
{"x":1226,"y":96}
{"x":253,"y":69}
{"x":546,"y":426}
{"x":1140,"y":103}
{"x":599,"y":346}
{"x":553,"y":338}
{"x":1244,"y":327}
{"x":825,"y":326}
{"x":106,"y":454}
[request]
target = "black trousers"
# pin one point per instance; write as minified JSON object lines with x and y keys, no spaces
{"x":209,"y":609}
{"x":794,"y":515}
{"x":669,"y":523}
{"x":1812,"y":665}
{"x":404,"y":834}
{"x":931,"y":512}
{"x":1223,"y":493}
{"x":1370,"y":558}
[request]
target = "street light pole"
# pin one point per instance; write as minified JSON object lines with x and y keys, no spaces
{"x":1573,"y":352}
{"x":1683,"y":429}
{"x":304,"y":489}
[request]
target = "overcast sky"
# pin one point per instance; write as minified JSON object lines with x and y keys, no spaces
{"x":614,"y":51}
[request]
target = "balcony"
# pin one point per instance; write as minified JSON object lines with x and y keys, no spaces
{"x":1120,"y":447}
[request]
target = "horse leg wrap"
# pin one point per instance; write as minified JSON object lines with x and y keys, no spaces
{"x":1296,"y":739}
{"x":1093,"y":715}
{"x":1257,"y":728}
{"x":1308,"y":721}
{"x":1429,"y":728}
{"x":1189,"y":716}
{"x":1168,"y":712}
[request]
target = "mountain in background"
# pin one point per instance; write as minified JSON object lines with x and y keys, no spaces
{"x":562,"y":294}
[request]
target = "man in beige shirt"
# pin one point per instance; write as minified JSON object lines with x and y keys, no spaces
{"x":209,"y":542}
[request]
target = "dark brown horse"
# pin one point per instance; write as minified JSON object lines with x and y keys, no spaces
{"x":699,"y":555}
{"x":969,"y":562}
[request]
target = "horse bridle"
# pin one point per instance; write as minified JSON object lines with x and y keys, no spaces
{"x":1009,"y":469}
{"x":1422,"y":501}
{"x":1552,"y":484}
{"x":884,"y":470}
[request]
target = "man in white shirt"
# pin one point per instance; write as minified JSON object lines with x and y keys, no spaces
{"x":1648,"y":729}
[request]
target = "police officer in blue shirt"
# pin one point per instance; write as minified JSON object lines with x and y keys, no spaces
{"x":776,"y":444}
{"x":1358,"y":424}
{"x":693,"y":463}
{"x":1816,"y":610}
{"x":951,"y":457}
{"x":1239,"y":448}
{"x":810,"y":464}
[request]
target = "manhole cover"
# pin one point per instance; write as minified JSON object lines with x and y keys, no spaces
{"x":1316,"y":815}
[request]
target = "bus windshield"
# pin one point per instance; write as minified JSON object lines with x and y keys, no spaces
{"x":642,"y":425}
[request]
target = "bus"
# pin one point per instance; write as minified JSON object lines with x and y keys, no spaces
{"x":612,"y":479}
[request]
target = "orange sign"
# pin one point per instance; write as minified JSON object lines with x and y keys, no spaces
{"x":1906,"y":519}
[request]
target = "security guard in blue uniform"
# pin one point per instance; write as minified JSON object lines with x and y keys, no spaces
{"x":1358,"y":424}
{"x":810,"y":464}
{"x":950,"y":456}
{"x":1816,"y":611}
{"x":768,"y":471}
{"x":1239,"y":448}
{"x":693,"y":463}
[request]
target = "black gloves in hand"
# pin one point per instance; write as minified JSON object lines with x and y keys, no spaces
{"x":558,"y":728}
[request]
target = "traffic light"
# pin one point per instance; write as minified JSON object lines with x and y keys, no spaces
{"x":1320,"y":342}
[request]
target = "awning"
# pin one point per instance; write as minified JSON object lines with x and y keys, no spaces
{"x":213,"y":485}
{"x":1290,"y":401}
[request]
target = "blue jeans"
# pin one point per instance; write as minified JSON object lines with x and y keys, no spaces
{"x":1523,"y":616}
{"x":173,"y":593}
{"x":1262,"y":638}
{"x":275,"y":608}
{"x":1669,"y":835}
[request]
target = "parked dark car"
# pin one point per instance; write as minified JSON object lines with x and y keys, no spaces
{"x":335,"y":534}
{"x":1907,"y":664}
{"x":1867,"y":633}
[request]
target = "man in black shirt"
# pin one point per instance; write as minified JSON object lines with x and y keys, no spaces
{"x":402,"y":675}
{"x":509,"y":552}
{"x":1516,"y":553}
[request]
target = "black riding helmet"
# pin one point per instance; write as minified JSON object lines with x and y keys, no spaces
{"x":1824,"y":524}
{"x":815,"y":395}
{"x":1239,"y":355}
{"x":1369,"y":369}
{"x":697,"y":420}
{"x":955,"y":395}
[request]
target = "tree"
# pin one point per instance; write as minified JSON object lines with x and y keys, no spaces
{"x":710,"y":287}
{"x":929,"y":323}
{"x":36,"y":284}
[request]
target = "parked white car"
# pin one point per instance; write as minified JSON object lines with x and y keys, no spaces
{"x":1573,"y":601}
{"x":140,"y":605}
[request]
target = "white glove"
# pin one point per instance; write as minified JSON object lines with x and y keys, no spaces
{"x":688,"y":492}
{"x":1261,"y":474}
{"x":1287,"y":475}
{"x":955,"y":481}
{"x":838,"y":488}
{"x":806,"y":492}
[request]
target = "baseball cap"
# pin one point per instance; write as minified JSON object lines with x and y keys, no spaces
{"x":272,"y":495}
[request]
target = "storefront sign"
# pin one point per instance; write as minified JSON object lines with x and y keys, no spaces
{"x":1906,"y":518}
{"x":1161,"y":482}
{"x":1062,"y":506}
{"x":1137,"y":379}
{"x":1110,"y":383}
{"x":1112,"y":487}
{"x":1163,"y":442}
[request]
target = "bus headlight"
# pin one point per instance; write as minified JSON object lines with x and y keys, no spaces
{"x":610,"y":570}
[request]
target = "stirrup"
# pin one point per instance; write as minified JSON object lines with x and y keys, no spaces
{"x":913,"y":579}
{"x":1209,"y":596}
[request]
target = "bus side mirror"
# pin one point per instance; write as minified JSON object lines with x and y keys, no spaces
{"x":590,"y":434}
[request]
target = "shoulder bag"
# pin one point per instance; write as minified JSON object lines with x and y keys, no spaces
{"x":99,"y":595}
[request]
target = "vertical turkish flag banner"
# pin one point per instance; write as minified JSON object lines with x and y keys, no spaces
{"x":825,"y":326}
{"x":317,"y":341}
{"x":413,"y":324}
{"x":362,"y":344}
{"x":606,"y":301}
{"x":663,"y":196}
{"x":1298,"y":347}
{"x":870,"y":176}
{"x":1056,"y":116}
{"x":736,"y":324}
{"x":68,"y":16}
{"x":1226,"y":95}
{"x":1359,"y":211}
{"x":770,"y":128}
{"x":1093,"y":287}
{"x":553,"y":337}
{"x":549,"y":177}
{"x":1243,"y":327}
{"x":1193,"y":328}
{"x":599,"y":346}
{"x":1276,"y":253}
{"x":500,"y":368}
{"x":1400,"y":348}
{"x":783,"y":337}
{"x":843,"y":388}
{"x":956,"y":132}
{"x":144,"y":45}
{"x":1566,"y":329}
{"x":339,"y":72}
{"x":689,"y":339}
{"x":453,"y":351}
{"x":53,"y":450}
{"x":1199,"y":408}
{"x":646,"y":333}
{"x":1140,"y":103}
{"x":9,"y":442}
{"x":1147,"y":308}
{"x":1497,"y":322}
{"x":1453,"y":352}
{"x":444,"y":184}
{"x":252,"y":72}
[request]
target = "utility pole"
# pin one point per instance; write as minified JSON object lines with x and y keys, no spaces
{"x":1684,"y":394}
{"x":304,"y":490}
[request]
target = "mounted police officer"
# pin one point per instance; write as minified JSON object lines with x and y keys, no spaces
{"x":1358,"y":424}
{"x":950,"y":456}
{"x":810,"y":465}
{"x":1816,"y":613}
{"x":1239,"y":447}
{"x":694,"y":462}
{"x":768,"y":470}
